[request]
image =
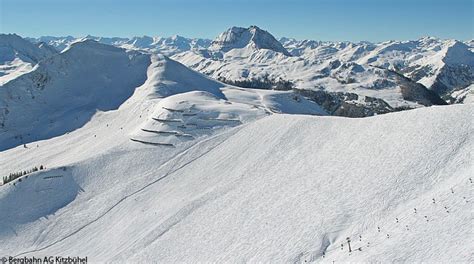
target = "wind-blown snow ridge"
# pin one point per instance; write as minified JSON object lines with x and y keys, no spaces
{"x":61,"y":100}
{"x":63,"y":91}
{"x":18,"y":56}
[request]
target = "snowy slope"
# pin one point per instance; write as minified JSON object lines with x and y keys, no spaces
{"x":18,"y":56}
{"x":442,"y":66}
{"x":147,"y":159}
{"x":268,"y":69}
{"x":281,"y":189}
{"x":59,"y":43}
{"x":470,"y":43}
{"x":465,"y":95}
{"x":62,"y":92}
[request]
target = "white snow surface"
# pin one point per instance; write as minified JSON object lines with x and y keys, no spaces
{"x":283,"y":188}
{"x":150,"y":161}
{"x":19,"y":56}
{"x":62,"y":92}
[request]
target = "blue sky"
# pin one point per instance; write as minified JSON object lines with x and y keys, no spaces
{"x":355,"y":20}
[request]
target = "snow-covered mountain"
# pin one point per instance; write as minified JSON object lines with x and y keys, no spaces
{"x":326,"y":69}
{"x":170,"y":45}
{"x":55,"y":97}
{"x":59,"y":43}
{"x":142,"y":158}
{"x":470,"y":43}
{"x":248,"y":57}
{"x":284,"y":188}
{"x":63,"y":91}
{"x":465,"y":95}
{"x":18,"y":56}
{"x":246,"y":38}
{"x":165,"y":45}
{"x":441,"y":65}
{"x":361,"y":78}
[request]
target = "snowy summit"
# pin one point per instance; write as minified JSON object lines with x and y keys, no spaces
{"x":252,"y":37}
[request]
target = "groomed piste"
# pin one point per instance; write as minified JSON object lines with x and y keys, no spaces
{"x":285,"y":187}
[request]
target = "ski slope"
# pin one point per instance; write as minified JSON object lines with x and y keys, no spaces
{"x":280,"y":188}
{"x":62,"y":92}
{"x":147,"y":160}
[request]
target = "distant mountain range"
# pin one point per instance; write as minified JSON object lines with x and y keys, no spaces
{"x":167,"y":46}
{"x":349,"y":79}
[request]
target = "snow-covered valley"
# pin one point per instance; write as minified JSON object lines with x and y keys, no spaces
{"x":169,"y":149}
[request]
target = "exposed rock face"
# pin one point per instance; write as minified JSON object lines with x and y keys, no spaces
{"x":416,"y":92}
{"x":452,"y":78}
{"x":419,"y":94}
{"x":443,"y":66}
{"x":238,"y":37}
{"x":355,"y":105}
{"x":347,"y":104}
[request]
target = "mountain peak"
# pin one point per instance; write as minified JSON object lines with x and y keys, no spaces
{"x":458,"y":53}
{"x":143,"y":41}
{"x":13,"y":46}
{"x":253,"y":36}
{"x":91,"y":44}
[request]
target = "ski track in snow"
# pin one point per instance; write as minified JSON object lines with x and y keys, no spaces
{"x":183,"y":212}
{"x":329,"y":240}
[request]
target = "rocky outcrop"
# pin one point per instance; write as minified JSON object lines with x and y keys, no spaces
{"x":238,"y":37}
{"x":347,"y":104}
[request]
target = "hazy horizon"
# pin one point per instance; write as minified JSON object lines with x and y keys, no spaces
{"x":337,"y":20}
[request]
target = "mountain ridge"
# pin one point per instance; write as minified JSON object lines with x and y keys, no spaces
{"x":226,"y":58}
